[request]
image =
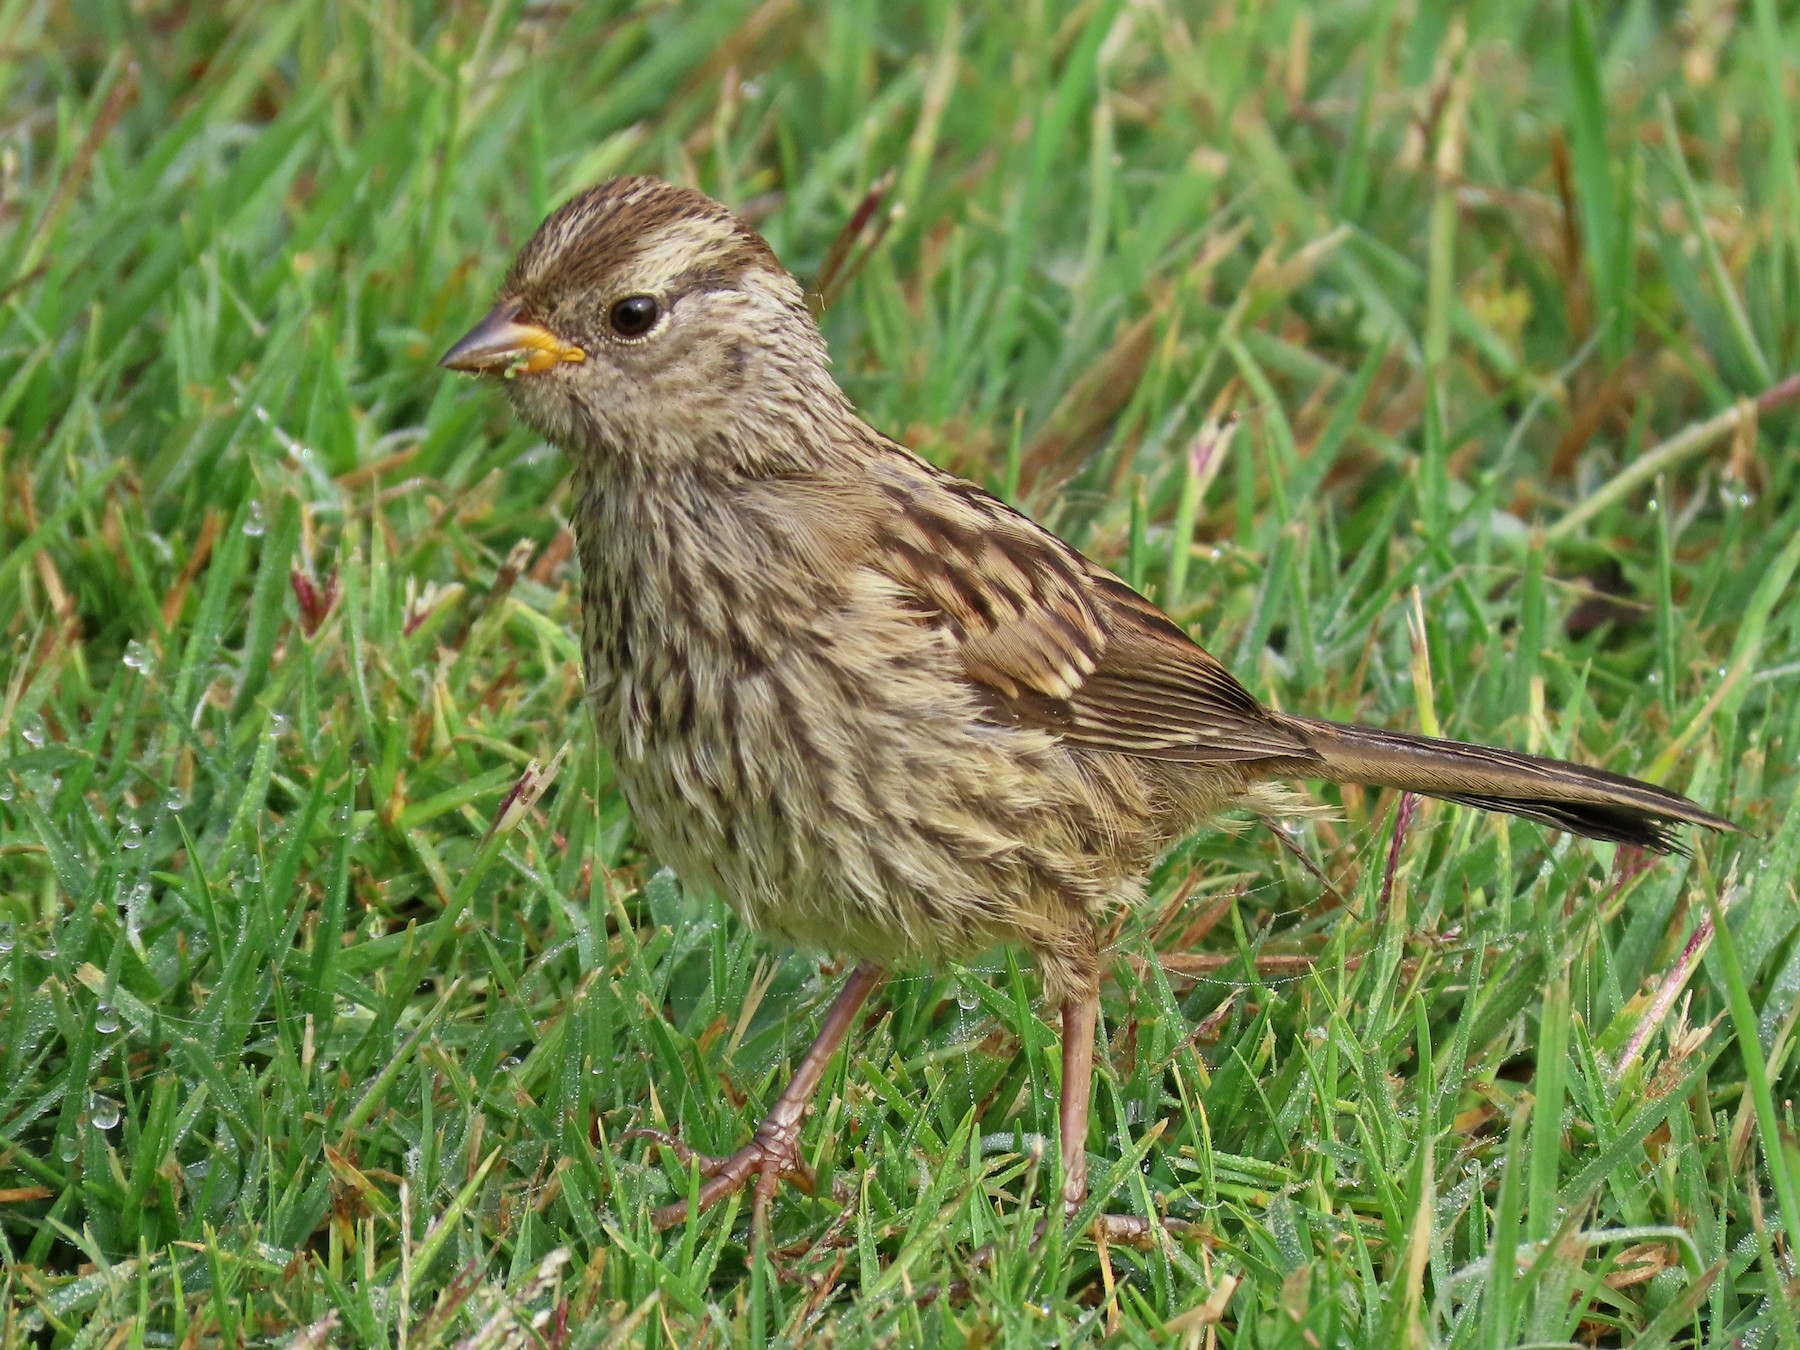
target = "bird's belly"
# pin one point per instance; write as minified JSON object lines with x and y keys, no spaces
{"x":855,"y":801}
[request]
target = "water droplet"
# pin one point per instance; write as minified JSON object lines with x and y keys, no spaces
{"x":279,"y":724}
{"x":966,"y":998}
{"x":106,"y":1021}
{"x":6,"y":790}
{"x":1655,"y":506}
{"x":7,"y":939}
{"x":1654,"y":677}
{"x":31,"y":727}
{"x":1736,"y":494}
{"x":510,"y":1063}
{"x":137,"y":655}
{"x":103,"y":1111}
{"x":69,"y":1148}
{"x":176,"y":799}
{"x":253,"y":523}
{"x":132,"y":836}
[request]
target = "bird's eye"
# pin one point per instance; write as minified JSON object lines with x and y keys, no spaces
{"x":634,"y":316}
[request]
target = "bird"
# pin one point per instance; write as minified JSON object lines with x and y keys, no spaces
{"x":883,"y":714}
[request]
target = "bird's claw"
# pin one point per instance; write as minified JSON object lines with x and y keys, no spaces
{"x":772,"y":1154}
{"x":1133,"y":1230}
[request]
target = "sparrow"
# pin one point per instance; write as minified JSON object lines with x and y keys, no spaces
{"x":883,"y":714}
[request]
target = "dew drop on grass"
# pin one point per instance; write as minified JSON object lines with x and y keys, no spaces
{"x":253,"y":523}
{"x":966,"y":998}
{"x":31,"y":727}
{"x":279,"y":724}
{"x":132,"y":836}
{"x":6,"y":790}
{"x":137,"y":655}
{"x":69,"y":1149}
{"x":7,"y":940}
{"x":510,"y":1063}
{"x":106,"y":1021}
{"x":103,"y":1111}
{"x":176,"y":799}
{"x":1733,"y":494}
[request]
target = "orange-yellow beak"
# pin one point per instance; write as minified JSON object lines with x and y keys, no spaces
{"x":502,"y":345}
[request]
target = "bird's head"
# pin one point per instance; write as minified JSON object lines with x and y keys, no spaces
{"x":645,"y":322}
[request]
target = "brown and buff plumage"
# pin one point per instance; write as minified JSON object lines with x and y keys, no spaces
{"x":880,"y":712}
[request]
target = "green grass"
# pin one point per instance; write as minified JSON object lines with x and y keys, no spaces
{"x":290,"y":1039}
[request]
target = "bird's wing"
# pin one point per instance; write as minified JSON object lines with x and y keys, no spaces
{"x":1055,"y":641}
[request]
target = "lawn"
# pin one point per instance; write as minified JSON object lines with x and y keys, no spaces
{"x":314,"y":1030}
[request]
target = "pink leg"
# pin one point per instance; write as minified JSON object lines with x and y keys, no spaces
{"x":1079,"y":1012}
{"x":774,"y":1151}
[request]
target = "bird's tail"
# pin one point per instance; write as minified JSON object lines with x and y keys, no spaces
{"x":1592,"y":802}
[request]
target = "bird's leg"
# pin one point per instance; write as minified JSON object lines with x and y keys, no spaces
{"x":774,"y":1151}
{"x":1080,"y":1010}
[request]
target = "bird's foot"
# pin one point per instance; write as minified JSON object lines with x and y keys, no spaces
{"x":772,"y":1154}
{"x":1133,"y":1230}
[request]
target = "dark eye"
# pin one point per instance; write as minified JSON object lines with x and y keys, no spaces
{"x":635,"y":315}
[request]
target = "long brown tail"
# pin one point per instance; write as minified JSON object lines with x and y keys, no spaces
{"x":1567,"y":796}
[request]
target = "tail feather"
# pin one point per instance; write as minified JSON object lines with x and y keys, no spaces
{"x":1572,"y":797}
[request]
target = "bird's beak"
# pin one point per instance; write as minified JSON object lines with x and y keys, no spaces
{"x":501,"y":344}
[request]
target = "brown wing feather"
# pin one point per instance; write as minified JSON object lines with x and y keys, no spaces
{"x":1057,"y":642}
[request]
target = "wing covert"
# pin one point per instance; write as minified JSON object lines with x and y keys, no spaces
{"x":1055,"y":641}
